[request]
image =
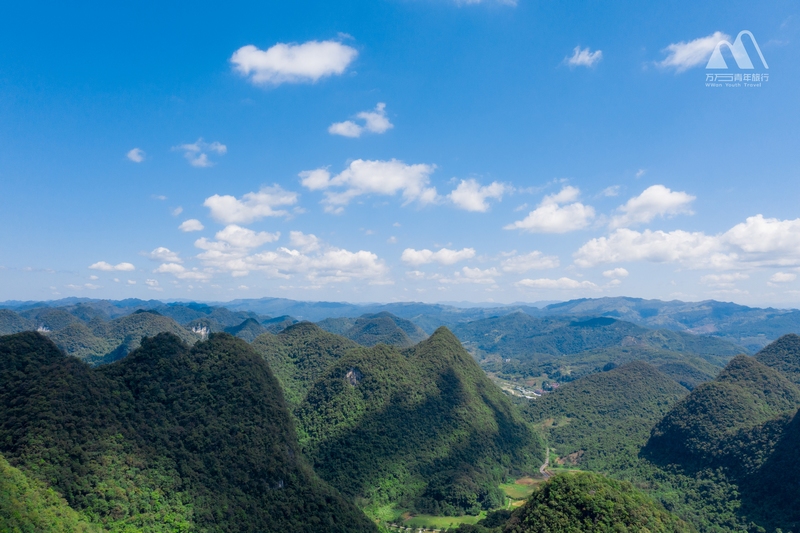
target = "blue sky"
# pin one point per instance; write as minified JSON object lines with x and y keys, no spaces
{"x":383,"y":150}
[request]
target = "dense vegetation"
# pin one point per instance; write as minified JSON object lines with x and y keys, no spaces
{"x":588,"y":502}
{"x":424,"y":429}
{"x":601,"y":421}
{"x":299,"y":355}
{"x":171,"y":438}
{"x":369,"y":330}
{"x":27,"y":505}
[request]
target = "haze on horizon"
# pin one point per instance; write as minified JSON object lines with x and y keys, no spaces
{"x":429,"y":150}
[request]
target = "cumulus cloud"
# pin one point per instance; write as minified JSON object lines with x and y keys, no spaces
{"x":444,"y":256}
{"x":191,"y":225}
{"x":197,"y":152}
{"x":375,"y":121}
{"x":616,"y":273}
{"x":308,"y":257}
{"x":251,"y":207}
{"x":756,"y":242}
{"x":136,"y":155}
{"x":152,"y":284}
{"x":164,"y":255}
{"x":687,"y":54}
{"x":655,"y":201}
{"x":560,"y":283}
{"x":107,"y":267}
{"x":292,"y":63}
{"x":551,"y":216}
{"x":535,"y":260}
{"x":783,"y":277}
{"x":240,"y":237}
{"x":583,"y":57}
{"x":372,"y":177}
{"x":471,"y":196}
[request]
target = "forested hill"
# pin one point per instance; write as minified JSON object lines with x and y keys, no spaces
{"x":423,"y":429}
{"x":521,"y":336}
{"x":740,"y":436}
{"x":600,"y":422}
{"x":299,"y":355}
{"x":369,"y":330}
{"x":170,"y":438}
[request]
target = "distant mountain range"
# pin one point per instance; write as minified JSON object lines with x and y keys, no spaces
{"x":750,"y":327}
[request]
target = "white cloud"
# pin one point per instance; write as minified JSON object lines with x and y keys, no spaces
{"x":197,"y":152}
{"x":392,"y":240}
{"x":191,"y":225}
{"x":583,"y":57}
{"x":292,"y":63}
{"x":152,"y":284}
{"x":655,"y":246}
{"x":470,"y":196}
{"x":783,"y":277}
{"x":611,"y":191}
{"x":616,"y":273}
{"x":375,"y":121}
{"x":472,"y":275}
{"x":372,"y":177}
{"x":177,"y":211}
{"x":181,"y":272}
{"x":443,"y":256}
{"x":532,"y":261}
{"x":107,"y":267}
{"x":551,"y":217}
{"x":304,"y":242}
{"x":756,"y":242}
{"x":317,"y":262}
{"x":654,"y":201}
{"x":136,"y":155}
{"x":253,"y":205}
{"x":164,"y":255}
{"x":560,"y":283}
{"x":348,"y":128}
{"x":131,"y":282}
{"x":240,"y":237}
{"x":685,"y":55}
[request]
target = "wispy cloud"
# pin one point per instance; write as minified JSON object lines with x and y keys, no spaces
{"x":583,"y":57}
{"x":688,"y":54}
{"x":136,"y":155}
{"x":197,"y":152}
{"x":108,"y":267}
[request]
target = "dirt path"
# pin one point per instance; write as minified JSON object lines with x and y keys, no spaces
{"x":543,"y":469}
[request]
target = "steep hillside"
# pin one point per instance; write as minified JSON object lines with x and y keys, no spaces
{"x":423,"y":429}
{"x":171,"y":438}
{"x":11,"y":322}
{"x":600,"y":422}
{"x":721,"y":423}
{"x":126,"y":332}
{"x":299,"y":355}
{"x":27,"y":505}
{"x":588,"y":502}
{"x":784,"y":356}
{"x":77,"y":340}
{"x":247,"y":330}
{"x":372,"y":329}
{"x":278,"y":323}
{"x":49,"y":318}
